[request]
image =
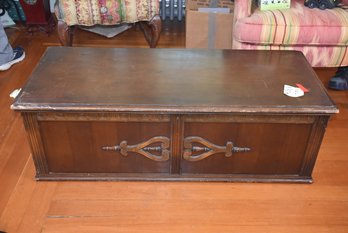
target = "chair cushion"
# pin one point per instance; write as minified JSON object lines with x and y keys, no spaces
{"x":105,"y":12}
{"x":298,"y":25}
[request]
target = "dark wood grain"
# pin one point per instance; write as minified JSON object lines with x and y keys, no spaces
{"x":36,"y":143}
{"x":176,"y":139}
{"x":77,"y":147}
{"x":316,"y":137}
{"x":175,"y":80}
{"x":275,"y":148}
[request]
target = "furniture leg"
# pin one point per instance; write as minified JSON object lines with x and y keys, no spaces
{"x":65,"y":33}
{"x":152,"y":30}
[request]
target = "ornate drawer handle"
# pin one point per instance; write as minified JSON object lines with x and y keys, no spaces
{"x":208,"y":149}
{"x":144,"y":148}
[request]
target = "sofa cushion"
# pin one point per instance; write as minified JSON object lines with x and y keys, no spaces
{"x":317,"y":56}
{"x":105,"y":12}
{"x":298,"y":25}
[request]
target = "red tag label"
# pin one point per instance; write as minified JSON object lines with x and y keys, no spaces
{"x":302,"y":87}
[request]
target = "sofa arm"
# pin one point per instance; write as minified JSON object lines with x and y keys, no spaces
{"x":242,"y":9}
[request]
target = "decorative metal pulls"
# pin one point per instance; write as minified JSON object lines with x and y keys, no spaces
{"x":144,"y":148}
{"x":208,"y":149}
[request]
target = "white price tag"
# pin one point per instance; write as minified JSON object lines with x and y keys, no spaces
{"x":293,"y":91}
{"x":15,"y":93}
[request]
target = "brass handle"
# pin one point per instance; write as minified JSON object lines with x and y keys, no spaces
{"x":208,"y":149}
{"x":144,"y":148}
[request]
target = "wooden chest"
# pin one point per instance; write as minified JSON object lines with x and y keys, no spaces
{"x":173,"y":114}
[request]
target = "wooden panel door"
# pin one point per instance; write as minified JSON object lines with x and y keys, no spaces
{"x":84,"y":144}
{"x":257,"y":146}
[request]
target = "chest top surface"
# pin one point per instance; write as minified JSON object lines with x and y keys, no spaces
{"x":171,"y":80}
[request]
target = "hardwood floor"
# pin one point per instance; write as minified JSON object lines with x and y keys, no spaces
{"x":48,"y":207}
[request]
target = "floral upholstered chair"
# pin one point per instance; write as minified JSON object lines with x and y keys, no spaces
{"x":108,"y":12}
{"x":321,"y":35}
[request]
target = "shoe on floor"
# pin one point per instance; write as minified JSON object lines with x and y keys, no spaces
{"x":19,"y":55}
{"x":340,"y":80}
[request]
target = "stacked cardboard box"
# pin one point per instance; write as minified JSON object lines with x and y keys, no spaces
{"x":209,"y":30}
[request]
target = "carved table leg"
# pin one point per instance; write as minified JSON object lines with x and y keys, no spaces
{"x":65,"y":33}
{"x":152,"y":30}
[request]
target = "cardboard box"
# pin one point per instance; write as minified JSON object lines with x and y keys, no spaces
{"x":208,"y":30}
{"x":195,"y":4}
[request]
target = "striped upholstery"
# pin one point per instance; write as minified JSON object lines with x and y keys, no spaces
{"x":105,"y":12}
{"x":322,"y":36}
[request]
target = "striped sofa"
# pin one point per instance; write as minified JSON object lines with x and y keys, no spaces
{"x":321,"y":35}
{"x":71,"y":13}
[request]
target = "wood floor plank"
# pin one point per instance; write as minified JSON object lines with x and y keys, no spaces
{"x":102,"y":225}
{"x":8,"y":146}
{"x":244,"y":212}
{"x":193,"y":191}
{"x":20,"y":199}
{"x":15,"y":78}
{"x":105,"y":225}
{"x":14,"y":150}
{"x":35,"y":213}
{"x":334,"y":147}
{"x":331,"y":173}
{"x":14,"y":154}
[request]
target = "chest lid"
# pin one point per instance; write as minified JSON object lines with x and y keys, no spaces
{"x":171,"y":80}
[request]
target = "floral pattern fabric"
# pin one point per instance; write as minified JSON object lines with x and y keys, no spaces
{"x":105,"y":12}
